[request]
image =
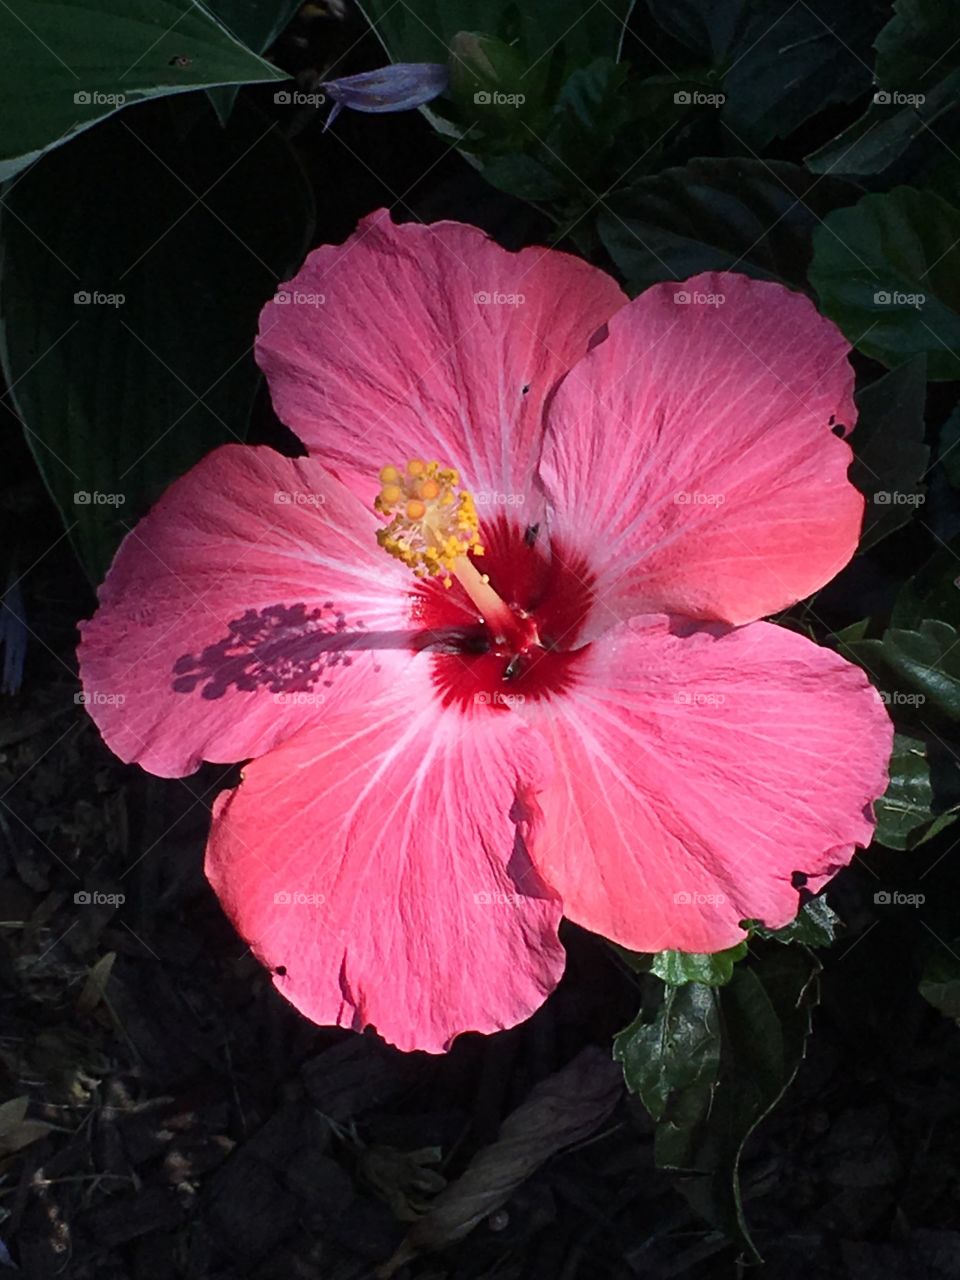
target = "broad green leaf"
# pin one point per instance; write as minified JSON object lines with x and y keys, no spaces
{"x":917,"y":46}
{"x":949,"y":450}
{"x":940,"y":981}
{"x":422,"y":30}
{"x":815,"y":925}
{"x":711,"y":1063}
{"x":492,"y":94}
{"x":888,"y":272}
{"x":678,"y":1050}
{"x":676,"y":968}
{"x":918,"y":70}
{"x":925,"y":661}
{"x":69,"y":63}
{"x":128,"y":326}
{"x":719,"y":214}
{"x":890,"y":455}
{"x":933,"y":592}
{"x":780,"y":62}
{"x":255,"y":23}
{"x":709,"y":28}
{"x":881,"y":136}
{"x":905,"y":813}
{"x":793,"y":60}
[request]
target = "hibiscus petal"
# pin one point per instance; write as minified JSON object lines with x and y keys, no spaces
{"x":429,"y":341}
{"x":377,"y":865}
{"x":691,"y":455}
{"x":697,"y":770}
{"x":251,"y":600}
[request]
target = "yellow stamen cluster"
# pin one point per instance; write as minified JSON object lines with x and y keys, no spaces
{"x":432,"y":524}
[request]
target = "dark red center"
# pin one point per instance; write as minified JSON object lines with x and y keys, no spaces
{"x":532,"y":652}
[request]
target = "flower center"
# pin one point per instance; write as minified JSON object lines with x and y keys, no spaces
{"x":433,"y":527}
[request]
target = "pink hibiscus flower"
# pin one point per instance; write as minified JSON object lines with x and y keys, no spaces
{"x":585,"y":717}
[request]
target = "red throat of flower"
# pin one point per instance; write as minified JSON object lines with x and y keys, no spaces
{"x":511,"y":629}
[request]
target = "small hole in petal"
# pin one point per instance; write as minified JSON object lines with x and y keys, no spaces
{"x":281,"y":971}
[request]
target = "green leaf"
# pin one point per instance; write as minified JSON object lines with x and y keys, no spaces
{"x":905,"y":813}
{"x":890,"y":455}
{"x":70,"y":63}
{"x":949,"y":450}
{"x":933,"y":592}
{"x":926,"y":660}
{"x":917,"y":58}
{"x":711,"y":1063}
{"x":255,"y":23}
{"x":676,"y":968}
{"x":940,"y":981}
{"x":917,"y":46}
{"x":880,"y":137}
{"x":709,"y":28}
{"x":815,"y":925}
{"x":422,"y":30}
{"x":753,"y":216}
{"x":175,"y":242}
{"x":678,"y":1051}
{"x":888,"y":272}
{"x":791,"y":61}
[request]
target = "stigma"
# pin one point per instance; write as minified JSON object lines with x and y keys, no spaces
{"x":432,"y":523}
